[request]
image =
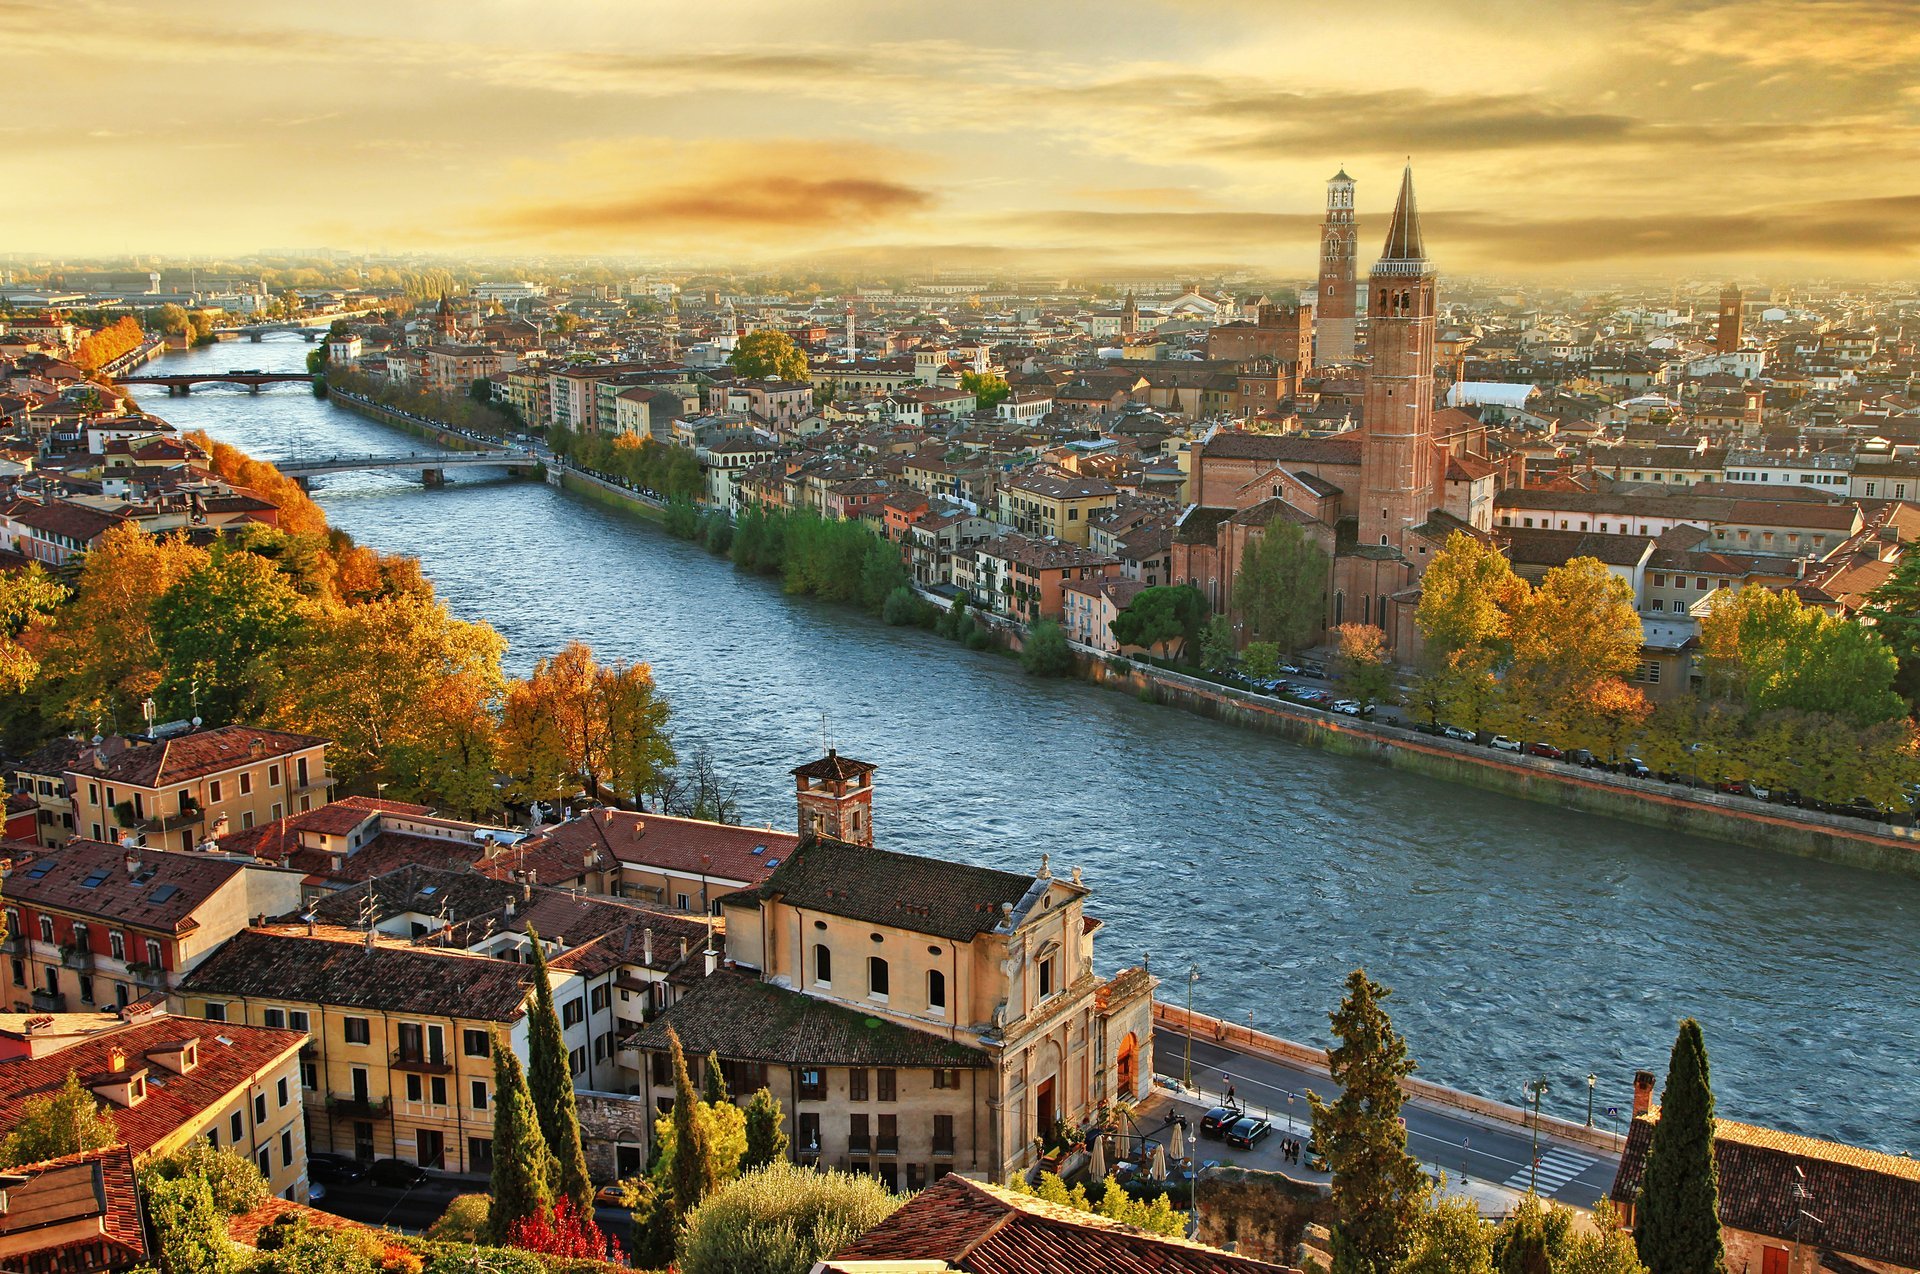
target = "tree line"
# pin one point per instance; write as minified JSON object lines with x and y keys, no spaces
{"x":466,"y":412}
{"x":671,"y":472}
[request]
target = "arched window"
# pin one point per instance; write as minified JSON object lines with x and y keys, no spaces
{"x":822,"y":965}
{"x":877,"y":977}
{"x":1126,"y":1079}
{"x":936,"y":991}
{"x":46,"y":929}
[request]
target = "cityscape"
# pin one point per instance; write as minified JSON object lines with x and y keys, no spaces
{"x":1216,"y":638}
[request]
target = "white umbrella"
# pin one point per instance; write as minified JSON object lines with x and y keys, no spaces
{"x":1097,"y":1161}
{"x":1157,"y":1163}
{"x":1178,"y":1147}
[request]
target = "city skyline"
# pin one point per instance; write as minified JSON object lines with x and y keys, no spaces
{"x":1774,"y":137}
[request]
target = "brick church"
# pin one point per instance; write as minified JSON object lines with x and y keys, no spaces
{"x":1381,"y":499}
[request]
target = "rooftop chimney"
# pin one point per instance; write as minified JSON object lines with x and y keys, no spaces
{"x":646,"y":945}
{"x":683,"y":948}
{"x":1642,"y":1093}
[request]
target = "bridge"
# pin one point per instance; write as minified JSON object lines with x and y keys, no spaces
{"x":183,"y":382}
{"x":431,"y":465}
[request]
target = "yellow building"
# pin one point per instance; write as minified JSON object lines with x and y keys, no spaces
{"x":181,"y":789}
{"x":1059,"y":506}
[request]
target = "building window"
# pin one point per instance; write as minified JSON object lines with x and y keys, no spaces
{"x":1046,"y":977}
{"x":807,"y":1132}
{"x":117,"y":943}
{"x":266,"y":1162}
{"x":573,"y":1012}
{"x":310,"y":1075}
{"x":259,"y":1108}
{"x":877,"y":977}
{"x":474,"y":1043}
{"x":216,"y":1012}
{"x":286,"y":1149}
{"x":153,"y":953}
{"x":477,"y":1094}
{"x":943,"y":1078}
{"x":857,"y":1141}
{"x":943,"y":1134}
{"x":822,"y":965}
{"x":936,"y":991}
{"x":280,"y":1090}
{"x":857,"y":1084}
{"x":275,"y":1018}
{"x":1659,"y":580}
{"x":813,"y":1086}
{"x":46,"y":928}
{"x":888,"y":1084}
{"x":213,"y":792}
{"x":355,"y":1030}
{"x":479,"y":1154}
{"x":86,"y":989}
{"x":237,"y":1126}
{"x":297,"y":1019}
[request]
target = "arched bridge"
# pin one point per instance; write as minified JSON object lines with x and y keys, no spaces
{"x":431,"y":465}
{"x":183,"y":382}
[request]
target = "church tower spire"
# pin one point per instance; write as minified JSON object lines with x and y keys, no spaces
{"x":1333,"y":310}
{"x":1401,"y":470}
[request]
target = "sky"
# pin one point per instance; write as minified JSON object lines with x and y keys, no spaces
{"x":1549,"y":137}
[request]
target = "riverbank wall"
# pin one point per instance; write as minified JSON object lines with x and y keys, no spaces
{"x":602,"y":492}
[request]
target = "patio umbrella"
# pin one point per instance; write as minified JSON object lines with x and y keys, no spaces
{"x":1178,"y":1147}
{"x":1097,"y":1161}
{"x":1157,"y":1163}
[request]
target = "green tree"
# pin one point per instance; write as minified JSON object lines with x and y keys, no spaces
{"x":1604,"y":1248}
{"x":1281,"y":589}
{"x":523,"y":1168}
{"x":1449,"y":1239}
{"x":66,"y":1121}
{"x":768,"y":354}
{"x":550,"y":1085}
{"x":1770,"y":650}
{"x":190,"y":1235}
{"x":233,"y":1178}
{"x":1158,"y":617}
{"x":1534,"y":1239}
{"x":903,"y":608}
{"x":1156,"y":1216}
{"x":464,"y":1221}
{"x":987,"y":389}
{"x":766,"y":1137}
{"x":1379,"y":1190}
{"x":1261,"y":660}
{"x":693,"y":1173}
{"x":1045,"y":652}
{"x":781,"y":1219}
{"x":219,"y":631}
{"x":1894,"y":610}
{"x":713,"y":1082}
{"x":1677,"y":1217}
{"x":1216,"y":644}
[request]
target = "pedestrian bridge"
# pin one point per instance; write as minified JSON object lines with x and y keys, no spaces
{"x":432,"y":466}
{"x":183,"y":382}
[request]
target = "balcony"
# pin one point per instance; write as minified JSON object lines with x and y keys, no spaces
{"x":45,"y":1001}
{"x":859,"y":1145}
{"x":148,"y":975}
{"x":77,"y":957}
{"x":315,"y":781}
{"x":887,"y":1145}
{"x":347,"y":1106}
{"x":190,"y":814}
{"x":431,"y":1061}
{"x":13,"y":944}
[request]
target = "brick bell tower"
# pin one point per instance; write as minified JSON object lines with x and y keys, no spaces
{"x":1333,"y":312}
{"x":836,"y":799}
{"x":1727,"y":336}
{"x":1400,"y":464}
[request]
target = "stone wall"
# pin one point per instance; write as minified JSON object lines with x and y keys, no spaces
{"x":607,"y":1119}
{"x":1263,"y":1215}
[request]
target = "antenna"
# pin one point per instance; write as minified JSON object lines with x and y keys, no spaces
{"x":826,"y":738}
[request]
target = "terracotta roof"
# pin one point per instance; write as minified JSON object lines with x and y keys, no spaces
{"x":740,"y":1018}
{"x":93,"y":1187}
{"x":1868,"y":1202}
{"x":337,"y":818}
{"x":986,"y":1230}
{"x":1283,"y":448}
{"x":687,"y":845}
{"x":230,"y":1057}
{"x":833,"y":766}
{"x":190,"y":756}
{"x":906,"y":891}
{"x":161,"y":894}
{"x":334,"y":968}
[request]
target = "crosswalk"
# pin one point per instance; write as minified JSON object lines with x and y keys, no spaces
{"x":1558,"y":1165}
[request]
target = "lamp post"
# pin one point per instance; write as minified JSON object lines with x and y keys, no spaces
{"x":1590,"y":1082}
{"x":1536,"y":1089}
{"x":1193,"y":976}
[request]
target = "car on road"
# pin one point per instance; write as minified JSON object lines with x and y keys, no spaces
{"x":1216,"y":1121}
{"x":1546,"y":750}
{"x":1502,"y":743}
{"x":1458,"y":732}
{"x":610,"y":1196}
{"x":1634,"y":767}
{"x":1312,"y":669}
{"x":315,"y":1192}
{"x":324,"y":1166}
{"x":397,"y":1174}
{"x":1246,"y":1131}
{"x":1580,"y":756}
{"x":1316,"y":1154}
{"x":1352,"y":708}
{"x":1318,"y":698}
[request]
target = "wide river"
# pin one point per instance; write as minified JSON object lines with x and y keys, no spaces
{"x":1521,"y":940}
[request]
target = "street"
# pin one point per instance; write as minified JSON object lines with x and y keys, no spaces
{"x":1487,"y":1160}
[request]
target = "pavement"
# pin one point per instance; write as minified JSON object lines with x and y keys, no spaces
{"x":1480,"y":1157}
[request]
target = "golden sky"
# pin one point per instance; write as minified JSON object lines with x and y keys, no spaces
{"x":1549,"y":137}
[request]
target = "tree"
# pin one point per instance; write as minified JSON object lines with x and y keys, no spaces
{"x":1894,"y":611}
{"x":1261,"y":660}
{"x":1450,"y":1239}
{"x":1379,"y":1189}
{"x":523,"y":1167}
{"x":25,"y":597}
{"x":693,"y":1172}
{"x":903,"y":608}
{"x":987,"y":389}
{"x":767,"y":355}
{"x":1282,"y":585}
{"x":464,"y":1221}
{"x":190,"y":1235}
{"x":103,"y":643}
{"x":1604,"y":1248}
{"x":233,"y":1179}
{"x":1466,"y":596}
{"x":713,"y":1082}
{"x":1160,"y":616}
{"x":550,"y":1085}
{"x":575,"y":723}
{"x":766,"y":1137}
{"x":1045,"y":652}
{"x":1216,"y":644}
{"x":1677,"y":1217}
{"x":1155,"y":1216}
{"x":781,"y":1219}
{"x":219,"y":632}
{"x":701,"y":793}
{"x":65,"y":1121}
{"x":1534,"y":1239}
{"x":1770,"y":650}
{"x":1361,"y":665}
{"x":1578,"y":628}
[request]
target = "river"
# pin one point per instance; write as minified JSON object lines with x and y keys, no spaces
{"x":1521,"y":940}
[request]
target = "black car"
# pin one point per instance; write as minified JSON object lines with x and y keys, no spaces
{"x":322,"y":1166}
{"x":1216,"y":1121}
{"x":1581,"y":756}
{"x":397,"y":1174}
{"x":1245,"y":1131}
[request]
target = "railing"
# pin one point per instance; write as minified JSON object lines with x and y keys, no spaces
{"x":413,"y":1059}
{"x":147,"y":974}
{"x":45,"y":1001}
{"x":859,"y":1145}
{"x":351,"y":1107}
{"x":888,"y":1145}
{"x":943,"y":1148}
{"x":13,"y":944}
{"x":77,"y":957}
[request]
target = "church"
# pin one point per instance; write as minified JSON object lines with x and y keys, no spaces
{"x":1382,"y":499}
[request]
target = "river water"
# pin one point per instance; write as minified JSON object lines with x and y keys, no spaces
{"x":1521,"y":940}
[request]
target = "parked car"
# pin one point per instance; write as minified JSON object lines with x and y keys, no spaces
{"x":397,"y":1174}
{"x":1546,"y":750}
{"x":1580,"y":756}
{"x":1291,"y":669}
{"x":1502,"y":743}
{"x":1313,"y":669}
{"x":1216,"y":1121}
{"x":1458,"y":732}
{"x":1634,"y":767}
{"x":325,"y":1166}
{"x":1352,"y":708}
{"x":1246,"y":1131}
{"x":1316,"y":1155}
{"x":1318,"y":697}
{"x":1744,"y":787}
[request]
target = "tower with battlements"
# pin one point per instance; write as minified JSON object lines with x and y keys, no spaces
{"x":1333,"y":313}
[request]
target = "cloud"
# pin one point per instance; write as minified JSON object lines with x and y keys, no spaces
{"x":753,"y":202}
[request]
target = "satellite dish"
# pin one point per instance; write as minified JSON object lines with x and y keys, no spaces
{"x":196,"y":723}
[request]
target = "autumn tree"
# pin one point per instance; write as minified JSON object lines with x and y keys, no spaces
{"x":1449,"y":1239}
{"x":1577,"y":629}
{"x":1361,"y":664}
{"x":219,"y":631}
{"x":1604,"y":717}
{"x":575,"y":723}
{"x":1467,"y":596}
{"x":1379,"y":1190}
{"x":768,"y":354}
{"x":26,"y":597}
{"x":1281,"y":587}
{"x":103,"y":645}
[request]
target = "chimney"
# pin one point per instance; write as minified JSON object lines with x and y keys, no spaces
{"x":646,"y":944}
{"x":1642,"y":1093}
{"x":683,"y":948}
{"x":713,"y":958}
{"x":133,"y":864}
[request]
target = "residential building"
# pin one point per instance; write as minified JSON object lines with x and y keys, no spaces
{"x":1089,"y":608}
{"x":1055,"y":506}
{"x":80,"y":1212}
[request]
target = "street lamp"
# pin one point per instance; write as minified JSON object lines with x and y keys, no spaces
{"x":1536,"y":1089}
{"x":1590,"y":1082}
{"x":1193,"y":976}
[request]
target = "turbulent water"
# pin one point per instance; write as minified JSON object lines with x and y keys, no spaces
{"x":1521,"y":940}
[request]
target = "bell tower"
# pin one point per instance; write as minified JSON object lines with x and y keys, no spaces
{"x":1727,"y":336}
{"x":1333,"y":312}
{"x":836,"y":799}
{"x":1400,"y":466}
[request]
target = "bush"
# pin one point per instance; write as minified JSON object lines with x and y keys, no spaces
{"x":464,"y":1221}
{"x":903,"y":607}
{"x":233,"y":1179}
{"x":780,"y":1219}
{"x":465,"y":1258}
{"x":1046,"y":653}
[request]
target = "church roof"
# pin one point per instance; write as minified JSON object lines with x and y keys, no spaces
{"x":1404,"y":242}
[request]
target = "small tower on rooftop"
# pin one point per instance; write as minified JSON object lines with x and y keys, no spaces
{"x":836,"y":799}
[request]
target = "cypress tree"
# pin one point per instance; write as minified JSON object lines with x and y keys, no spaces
{"x":714,"y":1087}
{"x":1379,"y":1191}
{"x":1677,"y":1219}
{"x":766,"y":1139}
{"x":693,"y":1172}
{"x":550,"y":1081}
{"x":522,"y":1166}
